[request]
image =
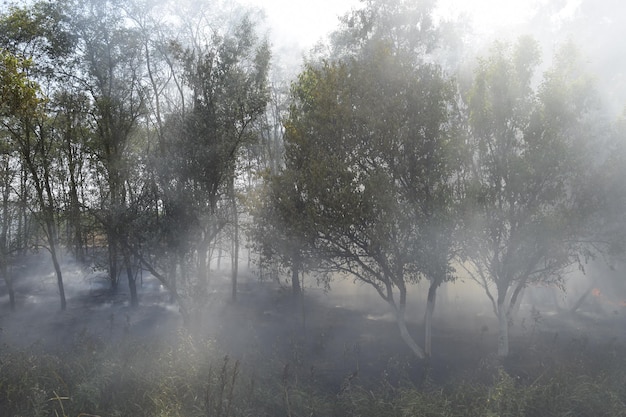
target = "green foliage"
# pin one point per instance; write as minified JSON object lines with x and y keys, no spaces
{"x":368,"y":162}
{"x":372,"y":155}
{"x":19,"y":94}
{"x":38,"y":31}
{"x":401,"y":24}
{"x":528,"y":193}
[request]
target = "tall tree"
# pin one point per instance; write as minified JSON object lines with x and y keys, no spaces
{"x":70,"y":120}
{"x":222,"y":94}
{"x":113,"y":68}
{"x":369,"y":166}
{"x":227,"y":81}
{"x":35,"y":40}
{"x":532,"y":147}
{"x":10,"y":79}
{"x":26,"y":129}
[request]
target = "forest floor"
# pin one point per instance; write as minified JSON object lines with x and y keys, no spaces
{"x":327,"y":338}
{"x":330,"y":353}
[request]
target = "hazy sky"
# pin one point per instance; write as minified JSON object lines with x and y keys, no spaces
{"x":296,"y":25}
{"x":304,"y":21}
{"x":597,"y":26}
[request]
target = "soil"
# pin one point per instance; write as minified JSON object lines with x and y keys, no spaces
{"x":326,"y":338}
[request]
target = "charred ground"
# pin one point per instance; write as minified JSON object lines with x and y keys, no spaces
{"x":327,"y":344}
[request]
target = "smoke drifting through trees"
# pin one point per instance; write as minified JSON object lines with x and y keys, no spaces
{"x":129,"y":128}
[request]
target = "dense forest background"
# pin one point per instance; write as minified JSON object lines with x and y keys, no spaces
{"x":160,"y":139}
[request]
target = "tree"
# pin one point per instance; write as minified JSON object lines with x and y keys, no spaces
{"x":7,"y":216}
{"x":113,"y":67}
{"x":17,"y":94}
{"x":188,"y":196}
{"x":368,"y":163}
{"x":608,"y":233}
{"x":267,"y":233}
{"x":529,"y":194}
{"x":279,"y":231}
{"x":70,"y":120}
{"x":24,"y":123}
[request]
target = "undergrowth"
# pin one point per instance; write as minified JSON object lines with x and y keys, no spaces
{"x":189,"y":377}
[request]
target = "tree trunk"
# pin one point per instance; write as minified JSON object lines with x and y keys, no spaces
{"x":8,"y":280}
{"x":503,"y":330}
{"x":295,"y":275}
{"x":203,"y":269}
{"x":57,"y":268}
{"x":235,"y":251}
{"x":132,"y":285}
{"x":401,"y":320}
{"x":516,"y":302}
{"x":75,"y":215}
{"x":76,"y":227}
{"x":174,"y":276}
{"x":428,"y":318}
{"x":406,"y":336}
{"x":4,"y":236}
{"x":112,"y":260}
{"x":23,"y":223}
{"x":581,"y":299}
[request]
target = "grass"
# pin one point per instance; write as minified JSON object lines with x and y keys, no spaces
{"x":190,"y":377}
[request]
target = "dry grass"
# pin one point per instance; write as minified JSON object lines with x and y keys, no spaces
{"x":189,"y":377}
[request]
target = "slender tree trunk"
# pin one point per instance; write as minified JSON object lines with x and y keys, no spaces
{"x":406,"y":336}
{"x":172,"y":285}
{"x":516,"y":302}
{"x":400,"y":310}
{"x":503,"y":330}
{"x":116,"y":202}
{"x":295,"y":274}
{"x":22,"y":222}
{"x":8,"y":280}
{"x":428,"y":318}
{"x":132,"y":285}
{"x":235,"y":242}
{"x":75,"y":222}
{"x":113,"y":274}
{"x":5,"y":236}
{"x":75,"y":225}
{"x":295,"y":280}
{"x":581,"y":299}
{"x":202,"y":268}
{"x":55,"y":262}
{"x":235,"y":260}
{"x":52,"y":230}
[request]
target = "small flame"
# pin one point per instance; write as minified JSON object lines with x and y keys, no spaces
{"x":597,"y":293}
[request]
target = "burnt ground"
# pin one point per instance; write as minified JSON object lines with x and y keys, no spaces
{"x":326,"y":339}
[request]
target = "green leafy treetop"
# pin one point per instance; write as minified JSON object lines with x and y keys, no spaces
{"x":370,"y":163}
{"x":529,"y":198}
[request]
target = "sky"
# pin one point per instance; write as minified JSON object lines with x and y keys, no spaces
{"x":297,"y":25}
{"x":303,"y":22}
{"x":597,"y":26}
